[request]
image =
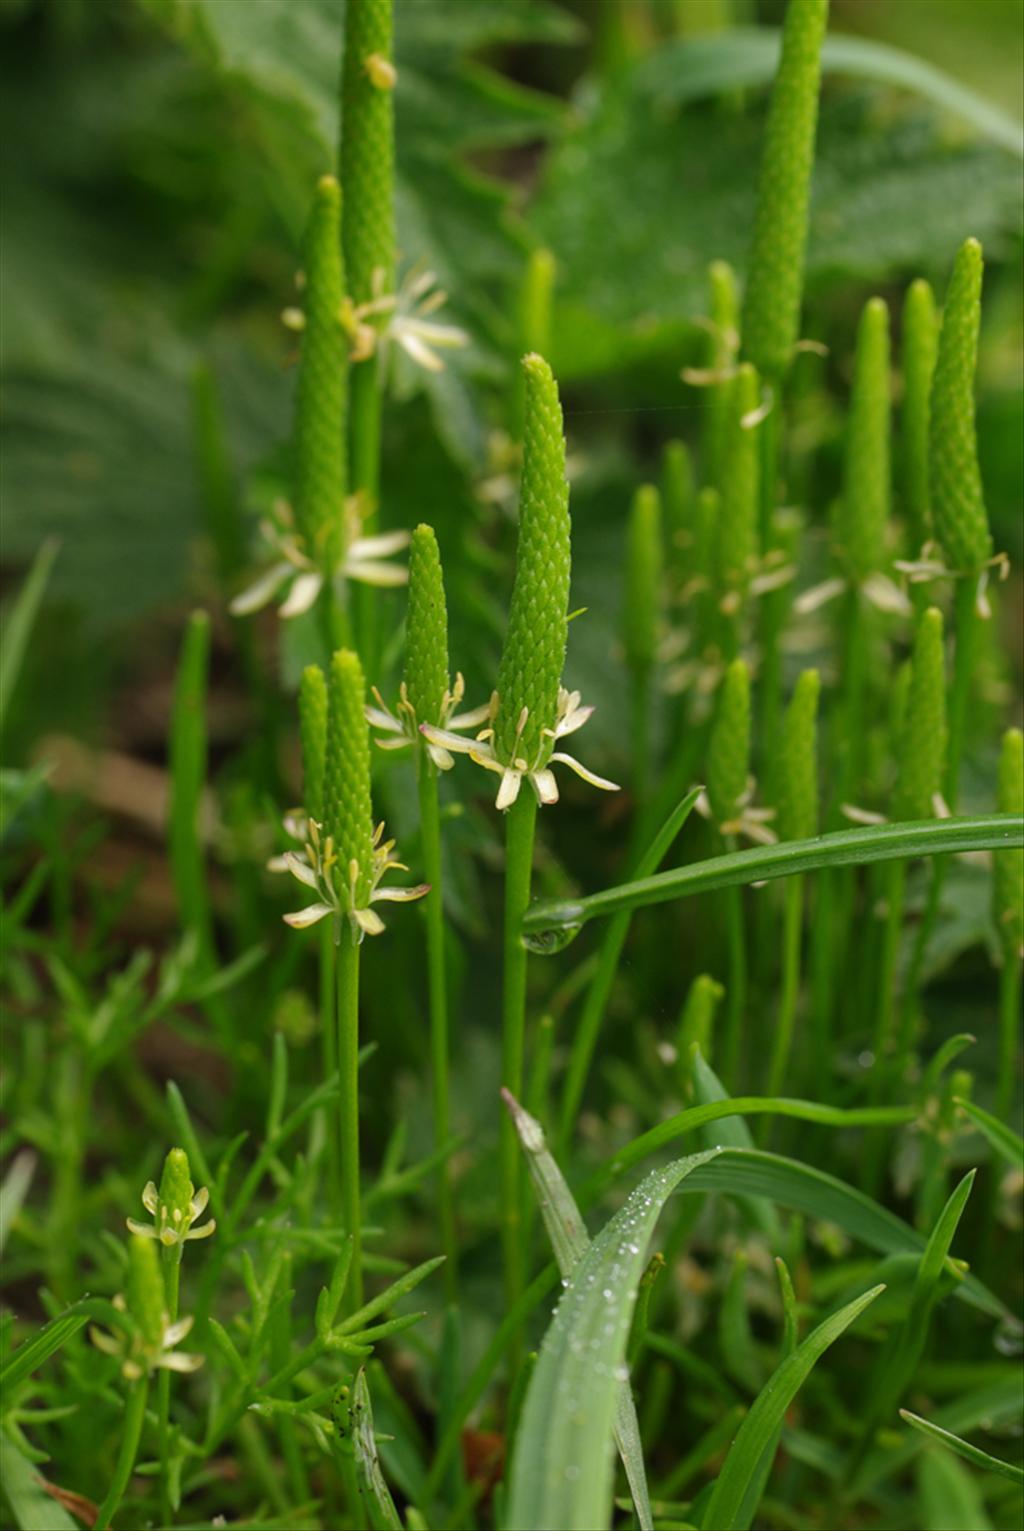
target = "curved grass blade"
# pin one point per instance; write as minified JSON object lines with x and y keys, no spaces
{"x":729,"y":1508}
{"x":562,"y":1468}
{"x":19,"y":624}
{"x":548,"y":920}
{"x":730,"y":1132}
{"x":973,"y":1454}
{"x":570,"y":1242}
{"x":947,"y":1495}
{"x":31,"y":1354}
{"x":1002,"y":1138}
{"x":803,"y":1188}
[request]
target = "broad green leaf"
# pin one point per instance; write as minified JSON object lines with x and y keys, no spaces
{"x":570,"y":1242}
{"x":948,"y":1495}
{"x":1002,"y":1138}
{"x":562,"y":1468}
{"x":728,"y":1503}
{"x":844,"y":847}
{"x":973,"y":1454}
{"x":20,"y":621}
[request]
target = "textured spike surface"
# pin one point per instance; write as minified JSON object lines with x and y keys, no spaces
{"x":798,"y":762}
{"x":534,"y":653}
{"x":348,"y":813}
{"x":958,"y":501}
{"x":367,"y":149}
{"x":1008,"y":887}
{"x":313,"y":733}
{"x":771,"y":308}
{"x":643,"y":577}
{"x":145,"y":1290}
{"x":729,"y":746}
{"x":320,"y":399}
{"x":737,"y":533}
{"x":176,"y":1189}
{"x":920,"y":345}
{"x":722,"y":344}
{"x":864,"y":509}
{"x":426,"y":629}
{"x":922,"y":755}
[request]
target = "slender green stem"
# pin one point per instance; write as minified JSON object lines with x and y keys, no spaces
{"x":334,"y":623}
{"x":433,"y":909}
{"x":763,"y":863}
{"x":641,"y":733}
{"x":329,"y":1046}
{"x":968,"y":631}
{"x":131,"y":1433}
{"x":823,"y":977}
{"x":348,"y":1106}
{"x":172,"y":1276}
{"x":884,"y":1040}
{"x":792,"y":926}
{"x":1009,"y":1035}
{"x":736,"y":983}
{"x":364,"y":480}
{"x":520,"y":826}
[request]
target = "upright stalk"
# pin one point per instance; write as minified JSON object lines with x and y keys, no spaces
{"x":329,"y":1045}
{"x":433,"y":909}
{"x":1009,"y":1034}
{"x":736,"y":983}
{"x":348,"y":1105}
{"x":792,"y":922}
{"x":364,"y":478}
{"x":131,"y":1433}
{"x":520,"y":827}
{"x":172,"y":1274}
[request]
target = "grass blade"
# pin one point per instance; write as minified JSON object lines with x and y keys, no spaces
{"x":730,"y":1132}
{"x":1002,"y":1138}
{"x":548,"y":923}
{"x":570,"y":1242}
{"x":964,"y":1448}
{"x":19,"y":625}
{"x":728,"y":1509}
{"x":562,"y":1470}
{"x":30,"y":1355}
{"x":947,"y":1495}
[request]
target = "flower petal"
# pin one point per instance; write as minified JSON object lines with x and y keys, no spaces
{"x":416,"y":349}
{"x":379,"y":547}
{"x":370,"y":572}
{"x":818,"y":595}
{"x":176,"y":1332}
{"x":381,"y":719}
{"x":449,"y":741}
{"x":304,"y":591}
{"x":545,"y":785}
{"x":300,"y":869}
{"x":471,"y":719}
{"x":300,"y":918}
{"x":179,"y":1361}
{"x":261,"y":591}
{"x":511,"y":781}
{"x":400,"y":895}
{"x":589,"y":776}
{"x":572,"y":721}
{"x":143,"y":1230}
{"x":370,"y":923}
{"x":440,"y":756}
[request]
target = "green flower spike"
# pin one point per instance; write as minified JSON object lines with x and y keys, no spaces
{"x":531,"y":710}
{"x":368,"y":149}
{"x":771,"y":307}
{"x":922,"y":755}
{"x":724,"y":344}
{"x":313,"y":733}
{"x":322,"y":540}
{"x":175,"y":1207}
{"x":1008,"y":866}
{"x":643,"y":578}
{"x":920,"y":344}
{"x":345,"y":857}
{"x":730,"y":786}
{"x":426,"y":694}
{"x":677,"y":495}
{"x":737,"y":535}
{"x":151,"y":1344}
{"x":958,"y":501}
{"x":798,"y":762}
{"x":864,"y":508}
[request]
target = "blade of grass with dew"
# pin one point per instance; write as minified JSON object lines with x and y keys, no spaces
{"x":729,"y":1508}
{"x":972,"y":1454}
{"x":20,"y":622}
{"x":570,"y":1242}
{"x":585,"y":1039}
{"x":562,"y":1470}
{"x":845,"y":847}
{"x":801,"y":1187}
{"x":1002,"y":1138}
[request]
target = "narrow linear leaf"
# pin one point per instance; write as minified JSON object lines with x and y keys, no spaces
{"x":19,"y":625}
{"x":1002,"y":1138}
{"x":948,"y":1495}
{"x":727,"y":1507}
{"x":964,"y":1448}
{"x":369,"y":1475}
{"x":30,"y":1355}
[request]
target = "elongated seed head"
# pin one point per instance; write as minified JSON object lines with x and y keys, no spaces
{"x":723,"y":343}
{"x":707,"y":509}
{"x":677,"y":491}
{"x":534,"y":653}
{"x":321,"y":390}
{"x":145,"y":1291}
{"x":771,"y":308}
{"x":958,"y":500}
{"x":798,"y":763}
{"x":426,"y":630}
{"x":313,"y":733}
{"x":348,"y":813}
{"x":698,"y":1016}
{"x":367,"y":149}
{"x":920,"y":346}
{"x":864,"y":509}
{"x":176,"y":1188}
{"x":922,"y":756}
{"x":737,"y":534}
{"x":1008,"y":866}
{"x":729,"y":746}
{"x":643,"y":578}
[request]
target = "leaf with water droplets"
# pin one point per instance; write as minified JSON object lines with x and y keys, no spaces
{"x":562,"y":1464}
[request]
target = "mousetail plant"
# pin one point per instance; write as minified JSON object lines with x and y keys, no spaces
{"x":428,"y":697}
{"x":920,"y":344}
{"x":728,"y":768}
{"x":344,"y":860}
{"x":1008,"y":909}
{"x":640,"y":618}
